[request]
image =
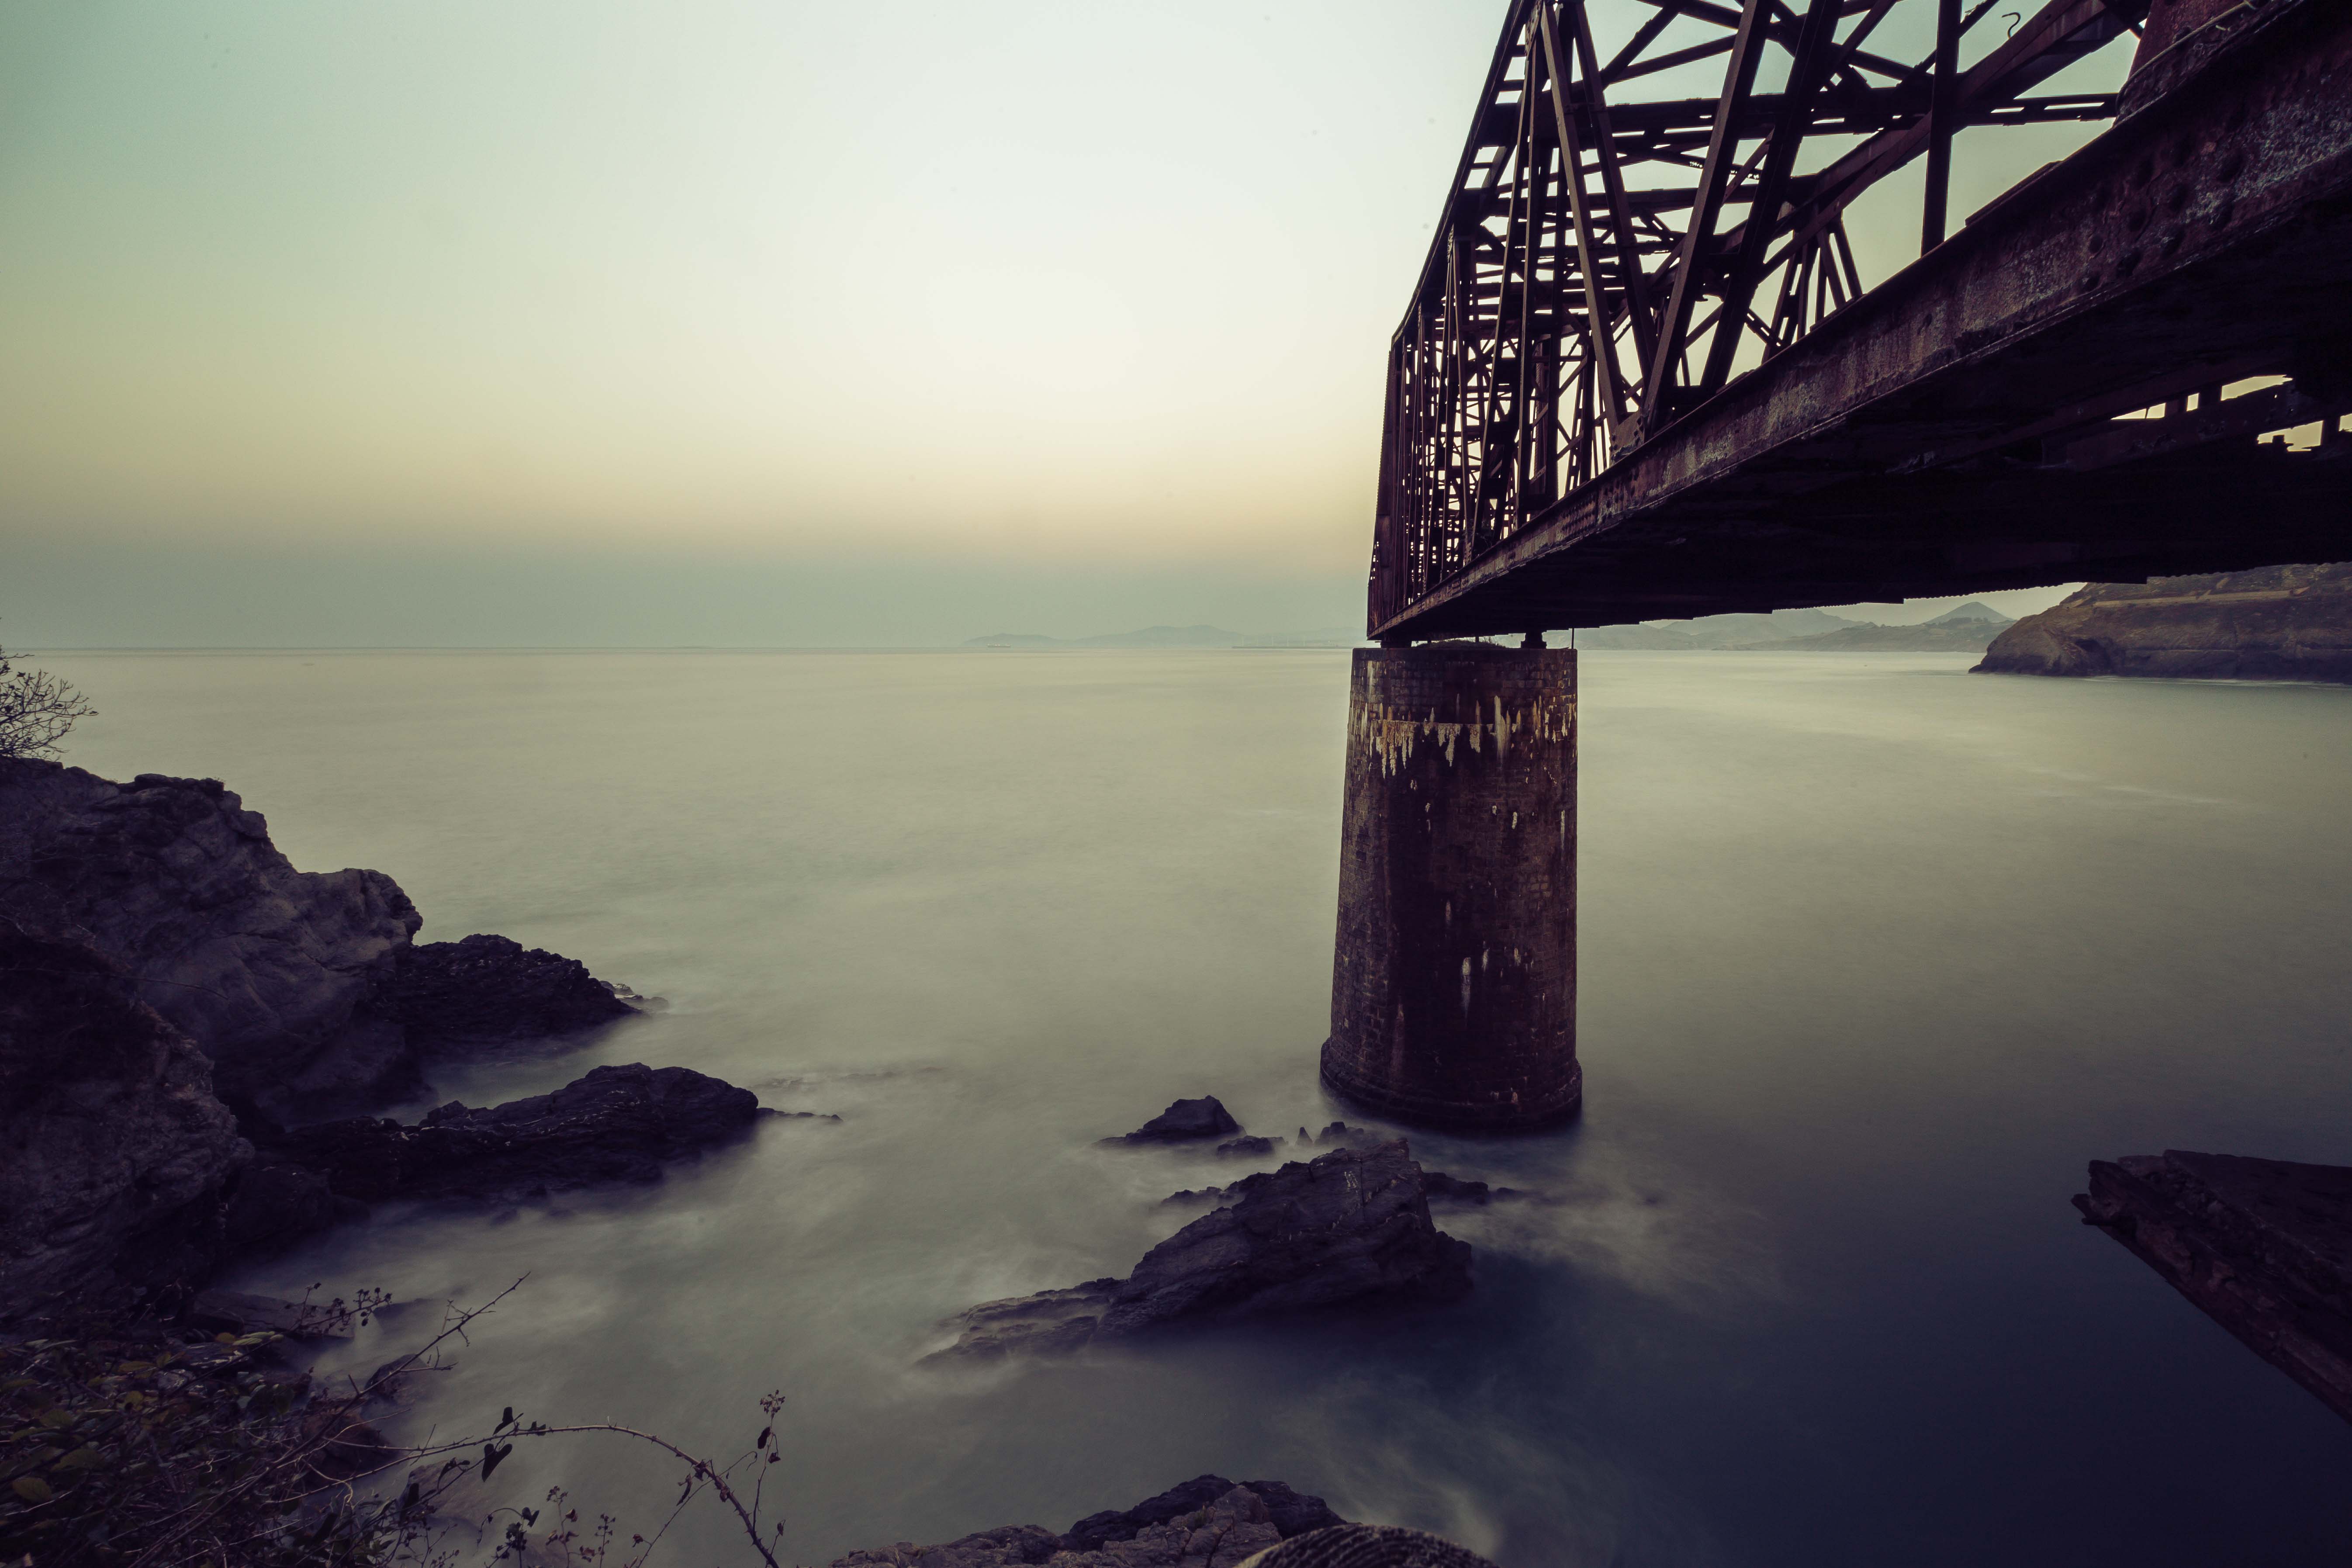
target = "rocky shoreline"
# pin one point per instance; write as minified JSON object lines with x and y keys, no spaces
{"x":2278,"y":623}
{"x":197,"y":1041}
{"x":181,"y":1012}
{"x":1206,"y":1522}
{"x":1350,"y":1226}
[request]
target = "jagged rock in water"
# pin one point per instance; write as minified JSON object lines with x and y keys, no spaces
{"x":1436,"y":1186}
{"x":1189,"y":1526}
{"x":636,"y":1001}
{"x":271,"y":971}
{"x":1351,"y":1226}
{"x":617,"y":1124}
{"x":997,"y":1548}
{"x":2263,"y":1247}
{"x":1340,"y":1135}
{"x":1248,"y":1148}
{"x":1368,"y":1546}
{"x":114,"y":1155}
{"x":1439,"y":1187}
{"x":2278,"y":623}
{"x":1184,"y":1122}
{"x":1291,"y":1513}
{"x":489,"y":990}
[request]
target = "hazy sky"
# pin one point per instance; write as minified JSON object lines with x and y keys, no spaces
{"x":559,"y":320}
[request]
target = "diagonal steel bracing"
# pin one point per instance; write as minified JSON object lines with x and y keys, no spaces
{"x":1611,"y":261}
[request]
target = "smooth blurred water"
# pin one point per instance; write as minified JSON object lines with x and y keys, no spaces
{"x":1875,"y":954}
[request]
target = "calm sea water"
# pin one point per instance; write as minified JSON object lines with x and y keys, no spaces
{"x":1876,"y":953}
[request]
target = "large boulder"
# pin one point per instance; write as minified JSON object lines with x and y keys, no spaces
{"x":1367,"y":1546}
{"x":617,"y":1124}
{"x":1184,"y":1122}
{"x":114,"y":1155}
{"x":1291,"y":1513}
{"x":492,"y":990}
{"x":273,"y":972}
{"x":1204,"y":1523}
{"x":1352,"y":1226}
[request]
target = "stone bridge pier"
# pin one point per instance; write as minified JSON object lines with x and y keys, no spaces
{"x":1454,"y":978}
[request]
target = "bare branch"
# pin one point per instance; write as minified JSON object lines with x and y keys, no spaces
{"x":36,"y":710}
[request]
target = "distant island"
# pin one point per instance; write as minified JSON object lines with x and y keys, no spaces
{"x":2276,"y":622}
{"x":1177,"y":636}
{"x":1964,"y":629}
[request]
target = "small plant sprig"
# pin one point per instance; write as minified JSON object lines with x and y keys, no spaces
{"x":702,"y":1476}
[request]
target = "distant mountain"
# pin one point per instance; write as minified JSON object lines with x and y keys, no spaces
{"x":1178,"y":637}
{"x":1730,"y":631}
{"x":1163,"y":637}
{"x":1647,"y":639}
{"x":1942,"y":635}
{"x":1781,"y":625}
{"x":1974,"y":610}
{"x":1964,"y":629}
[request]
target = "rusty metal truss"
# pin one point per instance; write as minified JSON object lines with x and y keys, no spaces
{"x":1609,"y":259}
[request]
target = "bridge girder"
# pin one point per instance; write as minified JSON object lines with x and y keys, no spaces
{"x":1961,"y":426}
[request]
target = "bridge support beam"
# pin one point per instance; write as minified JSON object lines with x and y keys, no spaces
{"x":1453,"y":979}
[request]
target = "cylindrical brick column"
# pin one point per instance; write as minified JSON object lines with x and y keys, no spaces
{"x":1453,"y":981}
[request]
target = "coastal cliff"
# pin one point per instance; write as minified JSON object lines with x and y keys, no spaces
{"x":271,"y":971}
{"x":173,"y":992}
{"x":2278,"y":623}
{"x":304,"y":988}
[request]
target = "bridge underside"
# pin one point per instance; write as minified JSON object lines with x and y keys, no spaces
{"x":1962,"y":427}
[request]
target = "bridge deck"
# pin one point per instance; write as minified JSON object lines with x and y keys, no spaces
{"x":1956,"y":429}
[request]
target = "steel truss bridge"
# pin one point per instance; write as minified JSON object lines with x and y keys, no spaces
{"x":1641,"y":374}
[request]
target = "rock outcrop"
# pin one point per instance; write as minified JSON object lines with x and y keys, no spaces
{"x":1185,"y":1121}
{"x":1439,"y":1187}
{"x":1247,"y":1147}
{"x":114,"y":1155}
{"x":617,"y":1124}
{"x":1351,"y":1226}
{"x":492,"y":990}
{"x":1436,"y":1186}
{"x":170,"y":986}
{"x":2278,"y":623}
{"x":1291,"y":1513}
{"x":1209,"y":1522}
{"x":1368,"y":1546}
{"x":1340,"y":1135}
{"x":273,"y":972}
{"x":2263,"y":1247}
{"x":304,"y":988}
